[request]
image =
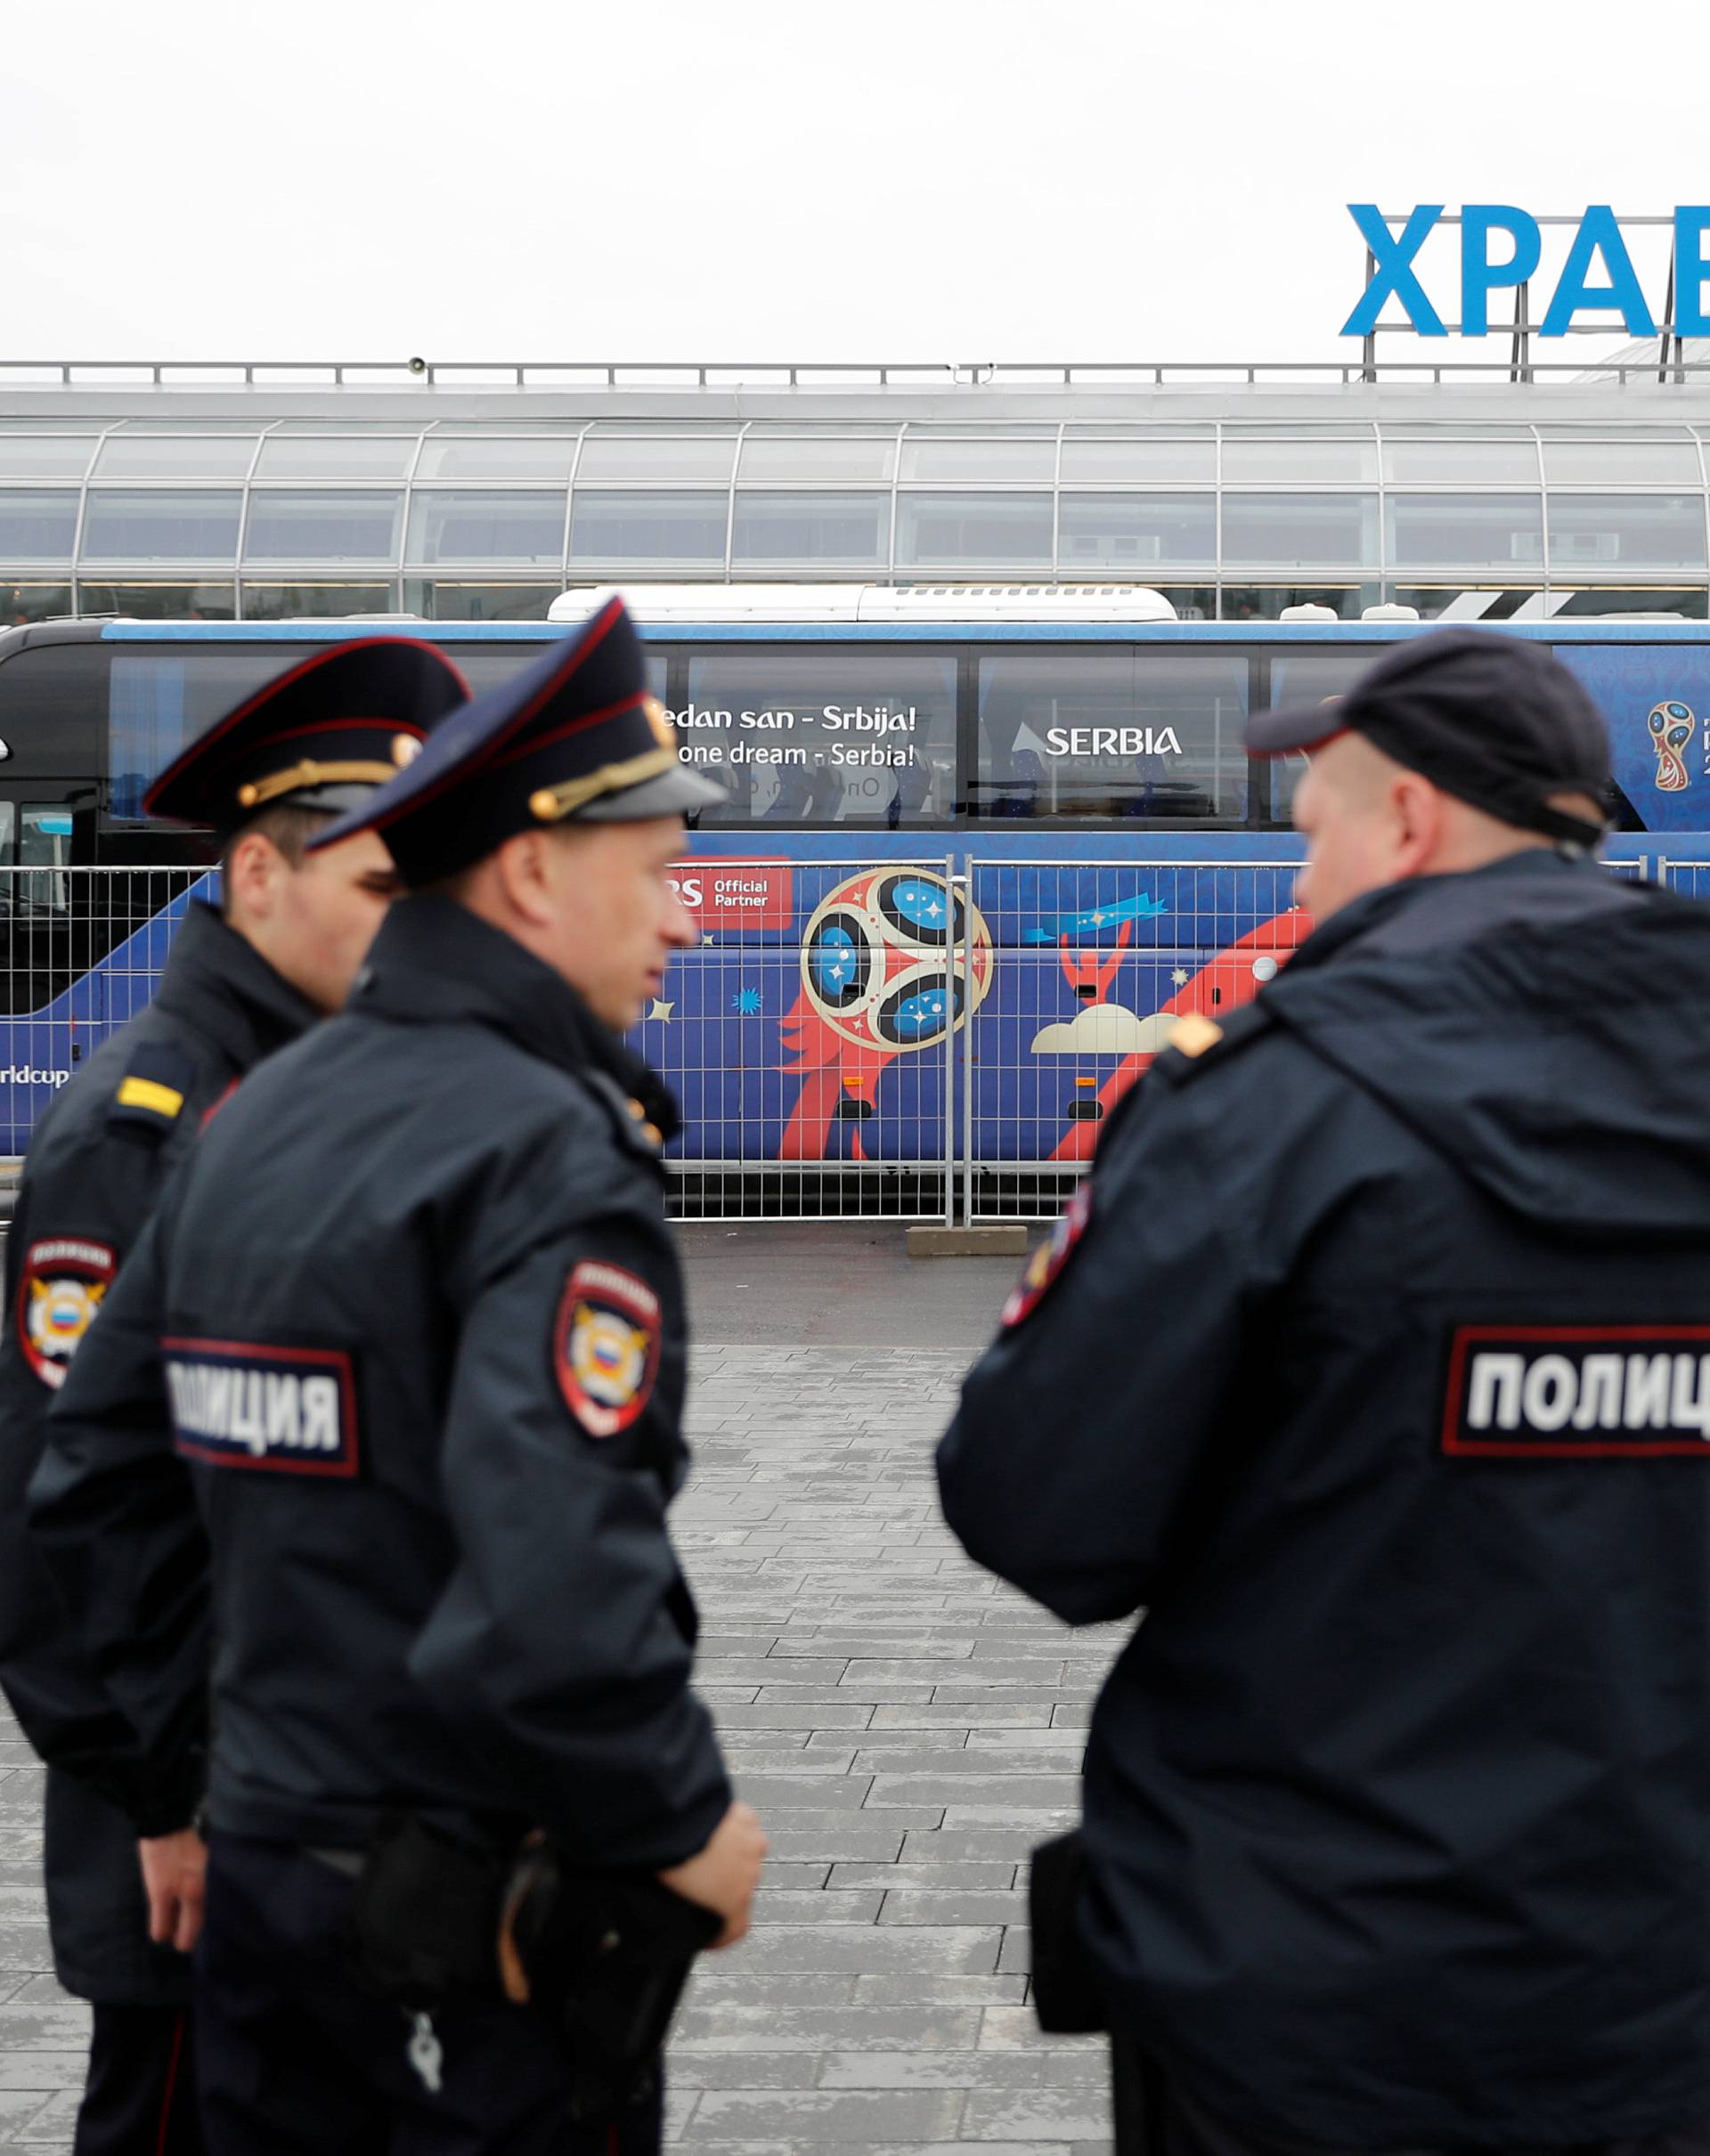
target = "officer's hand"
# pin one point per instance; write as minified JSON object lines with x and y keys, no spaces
{"x":174,"y":1868}
{"x":723,"y":1876}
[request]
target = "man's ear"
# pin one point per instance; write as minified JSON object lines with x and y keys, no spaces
{"x":1418,"y":810}
{"x":252,"y":873}
{"x":523,"y":877}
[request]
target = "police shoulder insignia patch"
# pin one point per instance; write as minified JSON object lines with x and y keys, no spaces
{"x":151,"y":1094}
{"x":61,"y":1285}
{"x":1050,"y":1258}
{"x":606,"y":1346}
{"x":1197,"y":1041}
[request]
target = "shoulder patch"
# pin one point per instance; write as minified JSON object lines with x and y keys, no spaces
{"x":1047,"y":1261}
{"x":151,"y":1095}
{"x":60,"y":1287}
{"x":1197,"y":1043}
{"x":606,"y":1346}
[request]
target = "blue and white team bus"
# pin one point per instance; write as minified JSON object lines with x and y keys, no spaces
{"x":981,"y":848}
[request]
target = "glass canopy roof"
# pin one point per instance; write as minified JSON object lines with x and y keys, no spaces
{"x":340,"y":515}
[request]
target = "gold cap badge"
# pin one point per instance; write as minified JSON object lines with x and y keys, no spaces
{"x":659,"y":720}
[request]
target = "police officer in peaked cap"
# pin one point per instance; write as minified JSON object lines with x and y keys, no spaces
{"x":1373,"y":1364}
{"x":406,"y":1345}
{"x":242,"y":980}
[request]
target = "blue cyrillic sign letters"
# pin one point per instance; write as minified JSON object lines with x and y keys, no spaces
{"x":1596,"y":245}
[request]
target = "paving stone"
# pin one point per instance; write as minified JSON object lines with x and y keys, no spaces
{"x":748,"y":1761}
{"x":907,"y":1907}
{"x":736,"y":1983}
{"x":734,"y":2025}
{"x":853,"y":1834}
{"x":861,"y":2116}
{"x":785,"y":1714}
{"x":944,"y":1878}
{"x":777,"y":1793}
{"x":966,"y":2069}
{"x":695,"y":2069}
{"x":21,"y":2108}
{"x":750,"y":1669}
{"x":831,"y":1948}
{"x":1001,"y":2115}
{"x":945,"y":2148}
{"x":1010,"y":1791}
{"x":795,"y":1906}
{"x":968,"y":1714}
{"x":43,"y":2070}
{"x":907,"y":1989}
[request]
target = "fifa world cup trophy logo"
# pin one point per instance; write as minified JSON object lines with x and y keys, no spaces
{"x":1670,"y":728}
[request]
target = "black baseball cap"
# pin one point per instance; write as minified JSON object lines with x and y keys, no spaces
{"x":1494,"y":719}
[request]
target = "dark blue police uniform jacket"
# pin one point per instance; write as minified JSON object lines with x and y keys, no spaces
{"x":97,"y":1164}
{"x":406,"y":1341}
{"x":1381,"y":1377}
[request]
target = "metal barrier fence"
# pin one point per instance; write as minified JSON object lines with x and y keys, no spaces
{"x":812,"y":1040}
{"x":1097,"y":961}
{"x":81,"y":951}
{"x":902,"y":1040}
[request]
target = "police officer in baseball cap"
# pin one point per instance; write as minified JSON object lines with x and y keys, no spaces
{"x":1371,"y":1363}
{"x":243,"y":978}
{"x":1492,"y":721}
{"x":410,"y":1329}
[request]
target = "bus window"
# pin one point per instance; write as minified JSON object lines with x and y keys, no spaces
{"x":1112,"y":734}
{"x":43,"y":855}
{"x":162,"y":697}
{"x":52,"y":711}
{"x":483,"y":665}
{"x":852,"y":735}
{"x":1308,"y":677}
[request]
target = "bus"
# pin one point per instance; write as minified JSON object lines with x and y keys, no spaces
{"x":979,"y":848}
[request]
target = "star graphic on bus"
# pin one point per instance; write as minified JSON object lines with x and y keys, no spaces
{"x":927,"y":1013}
{"x":747,"y":1002}
{"x":661,"y":1010}
{"x":1179,"y":977}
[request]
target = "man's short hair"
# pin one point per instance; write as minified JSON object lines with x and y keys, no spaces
{"x":457,"y":884}
{"x":287,"y":826}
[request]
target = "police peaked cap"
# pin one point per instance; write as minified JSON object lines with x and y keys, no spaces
{"x":576,"y":735}
{"x":323,"y":735}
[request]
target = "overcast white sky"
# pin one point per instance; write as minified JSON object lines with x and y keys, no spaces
{"x":808,"y":179}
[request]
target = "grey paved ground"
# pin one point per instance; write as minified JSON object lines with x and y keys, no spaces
{"x":908,"y":1728}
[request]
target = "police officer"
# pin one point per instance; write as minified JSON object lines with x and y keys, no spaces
{"x":1373,"y":1361}
{"x":242,"y":980}
{"x":409,"y":1333}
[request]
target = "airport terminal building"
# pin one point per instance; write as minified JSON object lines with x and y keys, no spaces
{"x":469,"y":494}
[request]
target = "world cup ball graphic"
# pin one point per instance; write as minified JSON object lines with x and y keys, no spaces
{"x":1671,"y":724}
{"x":883,"y":975}
{"x":873,"y":961}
